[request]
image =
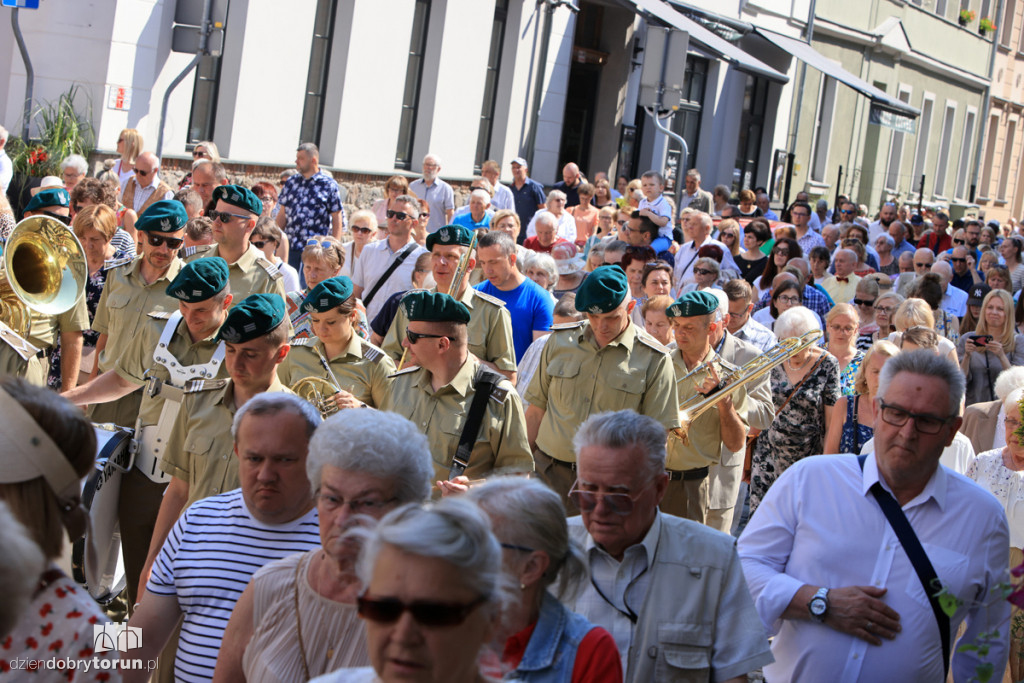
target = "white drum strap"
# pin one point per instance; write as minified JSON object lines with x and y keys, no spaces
{"x":182,"y":373}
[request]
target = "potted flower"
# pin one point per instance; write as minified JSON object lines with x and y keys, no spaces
{"x":986,"y":25}
{"x":966,"y":16}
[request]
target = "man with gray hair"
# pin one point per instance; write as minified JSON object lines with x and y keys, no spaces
{"x":438,"y":194}
{"x":693,"y":196}
{"x":670,"y":591}
{"x":145,"y":188}
{"x":478,"y":217}
{"x":983,"y":421}
{"x":219,"y":542}
{"x":310,"y":204}
{"x":844,"y":555}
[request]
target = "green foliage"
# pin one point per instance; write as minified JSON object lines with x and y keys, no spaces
{"x":62,"y":131}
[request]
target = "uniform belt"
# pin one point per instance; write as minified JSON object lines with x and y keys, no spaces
{"x":688,"y":475}
{"x":165,"y":390}
{"x":564,"y":463}
{"x":41,"y":353}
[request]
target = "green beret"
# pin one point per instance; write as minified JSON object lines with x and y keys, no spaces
{"x":166,"y":215}
{"x":256,"y":316}
{"x":329,"y":294}
{"x":450,"y":234}
{"x":434,"y":307}
{"x":44,"y":198}
{"x":239,"y":196}
{"x":200,"y":280}
{"x":691,"y":304}
{"x":603,"y":290}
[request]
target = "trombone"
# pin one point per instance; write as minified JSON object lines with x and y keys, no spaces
{"x":453,"y":288}
{"x":695,"y":406}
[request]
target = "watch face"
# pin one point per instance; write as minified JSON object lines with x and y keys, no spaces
{"x":818,"y":606}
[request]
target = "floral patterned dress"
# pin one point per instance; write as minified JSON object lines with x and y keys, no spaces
{"x":798,"y":431}
{"x":855,"y":434}
{"x":848,"y":375}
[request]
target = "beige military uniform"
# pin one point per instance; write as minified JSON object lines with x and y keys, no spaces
{"x":489,"y":330}
{"x":501,"y":443}
{"x":19,"y":358}
{"x":575,"y":379}
{"x":45,"y":328}
{"x":250,"y":274}
{"x":362,"y":368}
{"x":200,"y":450}
{"x":121,"y":315}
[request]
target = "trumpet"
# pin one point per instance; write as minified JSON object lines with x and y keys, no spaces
{"x":695,"y":406}
{"x":319,"y":391}
{"x":453,"y":288}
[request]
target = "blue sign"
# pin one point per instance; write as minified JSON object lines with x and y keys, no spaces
{"x":23,"y":4}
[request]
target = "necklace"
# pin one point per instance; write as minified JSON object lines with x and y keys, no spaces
{"x":803,"y":365}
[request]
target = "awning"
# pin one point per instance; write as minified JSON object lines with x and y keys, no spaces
{"x":808,"y":55}
{"x":708,"y":39}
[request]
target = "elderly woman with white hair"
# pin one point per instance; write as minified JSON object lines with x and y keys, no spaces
{"x":542,"y":269}
{"x":72,"y":170}
{"x":541,"y":640}
{"x":805,"y":390}
{"x":555,"y":206}
{"x":433,"y":597}
{"x":297,"y":618}
{"x":887,"y":263}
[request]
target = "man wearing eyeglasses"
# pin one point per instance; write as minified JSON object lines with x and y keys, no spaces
{"x":219,"y":543}
{"x":923,"y":259}
{"x":800,"y":214}
{"x":438,"y":391}
{"x":438,"y":194}
{"x":134,"y":289}
{"x":699,"y":225}
{"x":670,"y":591}
{"x":965,"y":275}
{"x":146,"y":188}
{"x":234,"y":219}
{"x":832,"y":580}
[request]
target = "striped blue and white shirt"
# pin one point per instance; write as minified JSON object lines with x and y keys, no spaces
{"x":207,"y":561}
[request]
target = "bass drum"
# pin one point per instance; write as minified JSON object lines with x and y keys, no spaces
{"x":100,"y":494}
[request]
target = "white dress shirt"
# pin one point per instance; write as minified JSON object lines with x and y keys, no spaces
{"x":686,"y":257}
{"x":954,"y":301}
{"x":957,"y":456}
{"x":566,"y":226}
{"x":143,"y":193}
{"x":757,"y":334}
{"x":820,"y":525}
{"x":374,"y":260}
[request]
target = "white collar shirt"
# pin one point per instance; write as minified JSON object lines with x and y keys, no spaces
{"x":687,"y":256}
{"x":819,"y":525}
{"x":143,"y":193}
{"x":373,"y":262}
{"x":618,"y":589}
{"x":757,"y":334}
{"x":954,"y":301}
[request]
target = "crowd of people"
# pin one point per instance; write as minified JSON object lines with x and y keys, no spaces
{"x":575,"y":433}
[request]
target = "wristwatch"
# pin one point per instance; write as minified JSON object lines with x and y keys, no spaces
{"x":818,"y":606}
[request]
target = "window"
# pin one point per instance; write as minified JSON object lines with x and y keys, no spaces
{"x":748,"y":148}
{"x":1006,"y":26}
{"x":892,"y":173}
{"x":990,"y":153}
{"x":966,"y":144}
{"x":204,"y":99}
{"x":686,"y":122}
{"x":413,"y":76}
{"x":940,"y":7}
{"x":1004,"y":167}
{"x":823,"y":129}
{"x":483,"y":137}
{"x":924,"y":129}
{"x":316,"y":78}
{"x":942,"y":165}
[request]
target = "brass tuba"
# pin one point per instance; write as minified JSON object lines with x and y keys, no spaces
{"x":44,"y":271}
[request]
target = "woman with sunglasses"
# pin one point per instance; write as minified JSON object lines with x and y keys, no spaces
{"x":729,"y":235}
{"x":297,"y":618}
{"x":540,"y":635}
{"x":864,"y":298}
{"x":752,"y":259}
{"x":981,"y":359}
{"x":207,"y":150}
{"x":841,"y":326}
{"x":1010,"y":250}
{"x":434,"y":595}
{"x":395,"y":187}
{"x":785,"y":248}
{"x":267,"y":237}
{"x":363,"y":225}
{"x":129,"y":146}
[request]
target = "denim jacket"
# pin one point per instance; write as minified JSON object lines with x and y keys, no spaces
{"x":551,"y":653}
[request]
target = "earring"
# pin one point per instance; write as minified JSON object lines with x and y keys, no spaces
{"x":522,"y":586}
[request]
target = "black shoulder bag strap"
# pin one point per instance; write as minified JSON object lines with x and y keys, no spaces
{"x":483,"y":384}
{"x":404,"y":254}
{"x":922,"y":565}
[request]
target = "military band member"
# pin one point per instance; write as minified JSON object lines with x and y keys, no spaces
{"x":55,"y":203}
{"x":490,"y":325}
{"x":135,"y":288}
{"x":171,"y":351}
{"x":360,"y":368}
{"x":604,"y":363}
{"x":19,"y":358}
{"x":234,"y":219}
{"x":694,"y":318}
{"x":439,"y":395}
{"x":199,"y":449}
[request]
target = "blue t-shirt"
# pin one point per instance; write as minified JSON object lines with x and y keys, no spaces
{"x":531,"y":309}
{"x":466,"y":220}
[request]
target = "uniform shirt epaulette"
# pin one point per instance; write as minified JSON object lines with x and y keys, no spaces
{"x":371,"y":352}
{"x":160,"y":315}
{"x":567,"y":326}
{"x":117,"y":263}
{"x":271,"y":269}
{"x":498,"y":393}
{"x":301,"y":341}
{"x":404,"y":371}
{"x":489,"y":298}
{"x":195,"y":386}
{"x":648,"y":340}
{"x":198,"y":251}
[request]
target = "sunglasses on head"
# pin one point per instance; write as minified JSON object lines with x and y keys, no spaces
{"x":156,"y":239}
{"x":323,"y":244}
{"x":425,"y":612}
{"x":224,"y":216}
{"x":400,"y":215}
{"x":414,"y":337}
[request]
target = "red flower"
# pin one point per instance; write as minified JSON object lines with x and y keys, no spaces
{"x":47,"y":629}
{"x":85,"y":652}
{"x":56,"y":645}
{"x":93,"y":620}
{"x":45,"y":609}
{"x":43,"y":156}
{"x":31,"y":643}
{"x":74,"y":614}
{"x":7,"y":642}
{"x":61,"y":592}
